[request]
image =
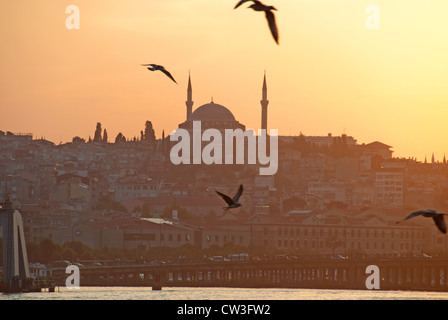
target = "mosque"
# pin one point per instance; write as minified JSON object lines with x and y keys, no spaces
{"x":213,"y":115}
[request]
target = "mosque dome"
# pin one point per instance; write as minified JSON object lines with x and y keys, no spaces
{"x":212,"y":112}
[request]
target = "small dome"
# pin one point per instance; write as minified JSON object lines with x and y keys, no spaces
{"x":212,"y":112}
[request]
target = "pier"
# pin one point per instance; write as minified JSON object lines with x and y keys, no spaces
{"x":419,"y":274}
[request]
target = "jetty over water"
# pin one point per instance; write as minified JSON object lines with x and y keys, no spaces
{"x":419,"y":274}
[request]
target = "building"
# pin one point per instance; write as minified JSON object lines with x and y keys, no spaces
{"x":328,"y":190}
{"x":131,"y":187}
{"x":136,"y":233}
{"x":219,"y":118}
{"x":211,"y":115}
{"x":377,"y":148}
{"x":330,"y":140}
{"x":332,"y":232}
{"x":389,"y":188}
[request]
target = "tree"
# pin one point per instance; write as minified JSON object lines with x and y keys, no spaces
{"x":78,"y":140}
{"x":97,"y":137}
{"x":336,"y":205}
{"x":105,"y":202}
{"x":150,"y":136}
{"x":49,"y":251}
{"x":146,"y":211}
{"x":294,"y":203}
{"x":120,"y":138}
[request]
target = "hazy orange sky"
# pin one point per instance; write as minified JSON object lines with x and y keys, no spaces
{"x":330,"y":73}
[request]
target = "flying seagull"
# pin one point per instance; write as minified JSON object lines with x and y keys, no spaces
{"x":155,"y":67}
{"x":435,"y":215}
{"x":270,"y":17}
{"x":232,"y":203}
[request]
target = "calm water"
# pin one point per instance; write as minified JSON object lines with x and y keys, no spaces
{"x":167,"y":293}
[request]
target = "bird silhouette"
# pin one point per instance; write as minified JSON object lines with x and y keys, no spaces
{"x":428,"y":213}
{"x":155,"y":67}
{"x":270,"y":17}
{"x":232,"y":202}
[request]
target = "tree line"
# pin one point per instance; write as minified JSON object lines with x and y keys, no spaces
{"x":100,"y":136}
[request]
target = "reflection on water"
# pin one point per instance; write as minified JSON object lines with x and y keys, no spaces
{"x":170,"y":293}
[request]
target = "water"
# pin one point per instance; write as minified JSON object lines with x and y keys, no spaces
{"x":187,"y":293}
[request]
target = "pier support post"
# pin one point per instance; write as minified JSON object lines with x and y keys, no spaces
{"x":15,"y":258}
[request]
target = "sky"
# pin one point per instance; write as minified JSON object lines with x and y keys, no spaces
{"x":329,"y":74}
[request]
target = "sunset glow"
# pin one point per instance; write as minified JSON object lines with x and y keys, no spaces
{"x":330,"y":73}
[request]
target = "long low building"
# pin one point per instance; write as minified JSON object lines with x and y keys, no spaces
{"x":333,"y":232}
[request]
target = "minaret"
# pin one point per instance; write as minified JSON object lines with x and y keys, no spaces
{"x":264,"y":105}
{"x":189,"y":101}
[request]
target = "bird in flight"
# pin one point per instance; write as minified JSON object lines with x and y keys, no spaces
{"x":155,"y":67}
{"x":232,"y":202}
{"x":435,"y":215}
{"x":270,"y":17}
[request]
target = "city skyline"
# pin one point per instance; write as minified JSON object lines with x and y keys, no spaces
{"x":329,"y":74}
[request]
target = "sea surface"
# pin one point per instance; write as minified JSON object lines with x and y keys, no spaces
{"x":188,"y":293}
